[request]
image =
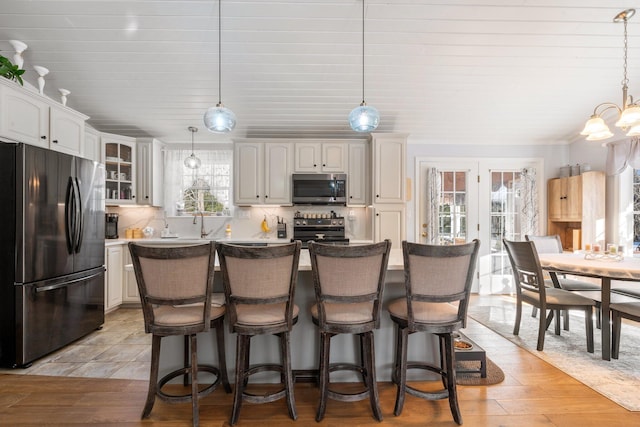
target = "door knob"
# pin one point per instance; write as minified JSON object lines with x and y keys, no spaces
{"x":424,"y":234}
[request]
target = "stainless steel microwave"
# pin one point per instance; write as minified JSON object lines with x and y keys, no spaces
{"x":319,"y":188}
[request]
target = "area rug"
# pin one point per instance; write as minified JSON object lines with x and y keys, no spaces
{"x":618,"y":380}
{"x":494,"y":374}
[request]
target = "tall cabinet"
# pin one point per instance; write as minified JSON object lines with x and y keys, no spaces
{"x":576,"y":209}
{"x":388,"y":173}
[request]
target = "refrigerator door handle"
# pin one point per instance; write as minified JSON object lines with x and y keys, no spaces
{"x":79,"y":223}
{"x":64,"y":284}
{"x":68,"y":216}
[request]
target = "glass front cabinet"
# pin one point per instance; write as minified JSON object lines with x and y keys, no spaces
{"x":119,"y":160}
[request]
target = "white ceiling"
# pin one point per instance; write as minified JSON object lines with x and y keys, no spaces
{"x":444,"y":71}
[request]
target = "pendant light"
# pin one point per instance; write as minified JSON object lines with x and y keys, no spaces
{"x":192,"y":162}
{"x":219,"y":119}
{"x":629,"y":114}
{"x":363,"y":118}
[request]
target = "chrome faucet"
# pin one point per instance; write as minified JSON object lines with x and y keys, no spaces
{"x":203,"y":232}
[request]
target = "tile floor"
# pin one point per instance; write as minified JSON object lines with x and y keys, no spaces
{"x":120,"y":350}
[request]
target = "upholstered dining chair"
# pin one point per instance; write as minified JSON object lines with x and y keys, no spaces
{"x":624,"y":310}
{"x":438,"y":284}
{"x":175,"y":285}
{"x":348,"y":283}
{"x":553,"y":245}
{"x":259,"y":285}
{"x":530,"y":288}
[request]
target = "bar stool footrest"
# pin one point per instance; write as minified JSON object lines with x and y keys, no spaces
{"x":185,"y":371}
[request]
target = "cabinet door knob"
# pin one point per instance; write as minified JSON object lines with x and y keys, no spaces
{"x":323,"y":165}
{"x":377,"y":214}
{"x":43,"y":137}
{"x":55,"y":141}
{"x":257,"y":196}
{"x":266,"y":197}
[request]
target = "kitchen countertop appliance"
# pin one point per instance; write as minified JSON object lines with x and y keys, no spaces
{"x":321,"y":228}
{"x":52,"y":242}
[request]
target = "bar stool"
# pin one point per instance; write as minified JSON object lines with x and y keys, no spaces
{"x":348,"y":282}
{"x":435,"y":277}
{"x":175,"y":285}
{"x":259,"y":284}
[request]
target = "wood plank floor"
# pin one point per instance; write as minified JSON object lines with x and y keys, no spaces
{"x":534,"y":393}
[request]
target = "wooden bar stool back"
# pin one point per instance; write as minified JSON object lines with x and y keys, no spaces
{"x":259,"y":285}
{"x":438,"y":284}
{"x":348,"y":282}
{"x":175,"y":285}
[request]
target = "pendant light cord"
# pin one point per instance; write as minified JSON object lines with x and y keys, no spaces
{"x":363,"y":51}
{"x":219,"y":52}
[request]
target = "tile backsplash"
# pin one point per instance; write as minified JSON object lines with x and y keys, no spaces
{"x":244,"y":221}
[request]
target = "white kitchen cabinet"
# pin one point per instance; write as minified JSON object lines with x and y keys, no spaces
{"x":358,"y":174}
{"x":113,"y":277}
{"x":389,"y":223}
{"x":119,"y":154}
{"x":24,"y":116}
{"x":150,"y":172}
{"x":92,"y":149}
{"x":36,"y":120}
{"x":262,"y":173}
{"x":313,"y":157}
{"x":131,"y":295}
{"x":389,"y":153}
{"x":67,"y":131}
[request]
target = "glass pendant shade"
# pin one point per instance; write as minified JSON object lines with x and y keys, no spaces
{"x":634,"y":130}
{"x":595,"y":125}
{"x":192,"y":162}
{"x":364,"y":118}
{"x":629,"y":117}
{"x":599,"y":136}
{"x":219,"y":119}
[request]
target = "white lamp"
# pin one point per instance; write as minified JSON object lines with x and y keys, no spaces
{"x":363,"y":118}
{"x":192,"y":162}
{"x":219,"y":119}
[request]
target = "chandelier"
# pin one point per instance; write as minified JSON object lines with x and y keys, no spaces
{"x":219,"y":119}
{"x":363,"y":118}
{"x":629,"y":114}
{"x":192,"y":162}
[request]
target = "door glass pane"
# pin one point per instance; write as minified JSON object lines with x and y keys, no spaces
{"x":453,"y":208}
{"x":505,"y":224}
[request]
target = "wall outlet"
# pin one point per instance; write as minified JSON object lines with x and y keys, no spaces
{"x":351,"y":216}
{"x":244,"y":214}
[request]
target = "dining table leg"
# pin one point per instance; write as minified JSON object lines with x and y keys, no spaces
{"x":606,"y":317}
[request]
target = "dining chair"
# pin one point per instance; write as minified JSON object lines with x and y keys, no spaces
{"x":553,"y":245}
{"x":259,"y":286}
{"x":625,"y":310}
{"x":437,"y":284}
{"x":175,"y":286}
{"x":530,"y":288}
{"x":348,"y":283}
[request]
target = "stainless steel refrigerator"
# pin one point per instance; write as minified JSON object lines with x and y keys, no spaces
{"x":51,"y":251}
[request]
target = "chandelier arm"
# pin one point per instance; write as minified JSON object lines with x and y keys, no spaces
{"x":608,"y":105}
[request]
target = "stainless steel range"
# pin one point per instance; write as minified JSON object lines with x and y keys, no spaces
{"x":328,"y":229}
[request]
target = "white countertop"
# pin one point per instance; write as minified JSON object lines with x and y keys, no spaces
{"x":396,"y":261}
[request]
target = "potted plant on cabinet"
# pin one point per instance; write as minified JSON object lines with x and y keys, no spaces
{"x":10,"y":71}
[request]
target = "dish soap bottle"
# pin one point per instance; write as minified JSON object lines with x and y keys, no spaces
{"x":227,"y":231}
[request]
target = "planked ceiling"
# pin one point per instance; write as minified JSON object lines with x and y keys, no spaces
{"x":444,"y":71}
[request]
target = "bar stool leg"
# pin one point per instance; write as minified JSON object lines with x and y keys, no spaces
{"x":323,"y":375}
{"x":285,"y":349}
{"x":194,"y":380}
{"x":370,"y":368}
{"x":242,"y":347}
{"x":403,"y":336}
{"x":153,"y":376}
{"x":222,"y":357}
{"x":451,"y":378}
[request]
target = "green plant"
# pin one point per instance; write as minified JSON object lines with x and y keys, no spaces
{"x":10,"y":71}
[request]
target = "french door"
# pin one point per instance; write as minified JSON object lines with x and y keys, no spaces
{"x":477,"y":199}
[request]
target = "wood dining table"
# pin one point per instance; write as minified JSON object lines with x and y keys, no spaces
{"x":605,"y":268}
